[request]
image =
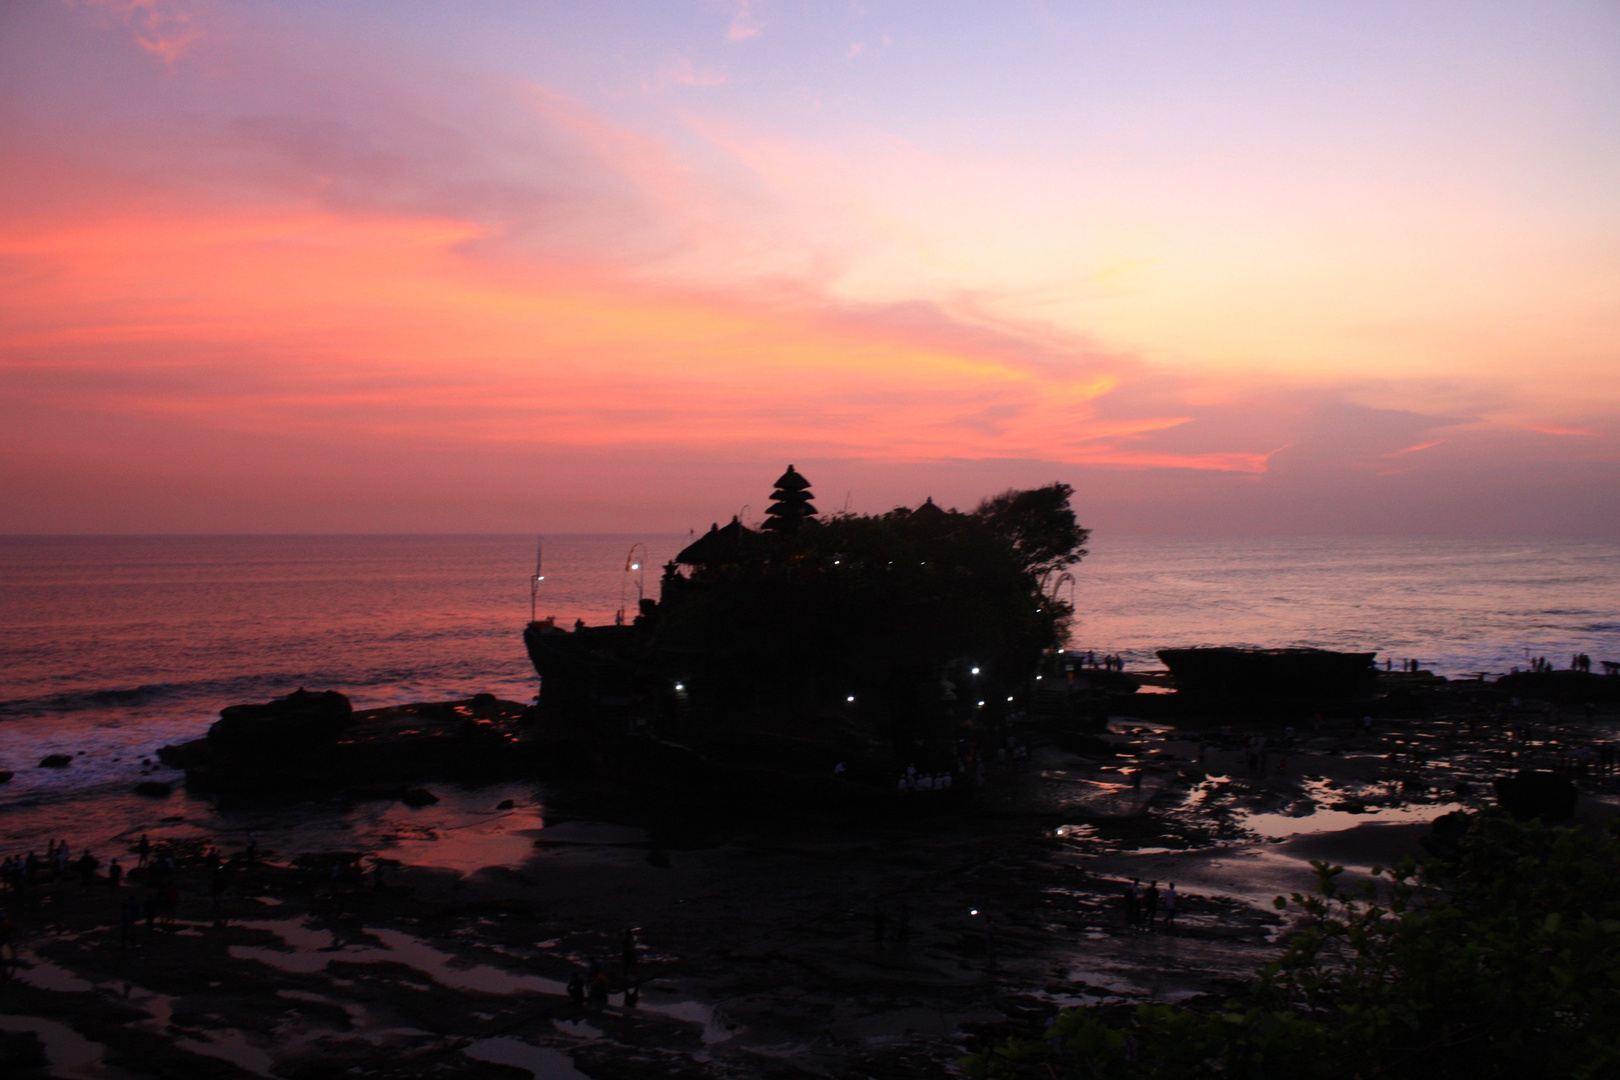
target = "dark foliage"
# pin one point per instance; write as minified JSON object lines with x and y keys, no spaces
{"x":892,"y":610}
{"x":1039,"y":525}
{"x":1501,"y":961}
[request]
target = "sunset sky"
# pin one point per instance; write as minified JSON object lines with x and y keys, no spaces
{"x":609,"y":266}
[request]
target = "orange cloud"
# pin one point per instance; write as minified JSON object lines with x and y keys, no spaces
{"x":387,"y":320}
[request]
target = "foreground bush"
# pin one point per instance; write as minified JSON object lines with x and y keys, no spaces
{"x":1500,"y":960}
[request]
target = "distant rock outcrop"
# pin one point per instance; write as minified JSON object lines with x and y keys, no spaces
{"x":316,"y":740}
{"x":285,"y":725}
{"x":55,"y":761}
{"x":1246,"y":676}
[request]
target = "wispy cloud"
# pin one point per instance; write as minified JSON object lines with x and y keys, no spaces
{"x":745,"y":22}
{"x":680,"y":71}
{"x":165,"y":28}
{"x":1555,"y":429}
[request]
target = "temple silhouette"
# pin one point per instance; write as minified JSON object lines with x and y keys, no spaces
{"x":844,"y":642}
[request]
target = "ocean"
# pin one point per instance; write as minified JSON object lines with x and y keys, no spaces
{"x":113,"y":646}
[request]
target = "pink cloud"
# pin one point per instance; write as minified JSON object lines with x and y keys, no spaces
{"x":745,"y":22}
{"x":1556,"y":429}
{"x":680,"y":71}
{"x":1429,"y":445}
{"x":165,"y":28}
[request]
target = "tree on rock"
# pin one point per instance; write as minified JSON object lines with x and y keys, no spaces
{"x":790,"y":503}
{"x":1039,"y":525}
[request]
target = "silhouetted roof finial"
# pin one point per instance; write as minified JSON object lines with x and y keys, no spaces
{"x":790,"y":503}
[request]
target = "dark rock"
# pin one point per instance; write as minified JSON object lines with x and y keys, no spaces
{"x":21,"y":1050}
{"x":1231,"y":674}
{"x":55,"y":761}
{"x":505,"y":804}
{"x":375,"y":792}
{"x":1539,"y":794}
{"x":1560,"y":687}
{"x":419,"y":797}
{"x":483,"y":701}
{"x":6,"y":775}
{"x":157,"y":789}
{"x":284,"y":726}
{"x":270,"y":751}
{"x":185,"y":755}
{"x":1078,"y":742}
{"x":1399,"y":703}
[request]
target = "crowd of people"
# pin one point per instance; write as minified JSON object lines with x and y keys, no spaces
{"x":20,"y":871}
{"x":1580,"y":662}
{"x":147,"y":892}
{"x":966,"y":766}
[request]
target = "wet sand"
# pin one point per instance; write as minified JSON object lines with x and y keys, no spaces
{"x":758,"y":952}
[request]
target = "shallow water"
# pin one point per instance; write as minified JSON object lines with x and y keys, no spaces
{"x":463,"y":831}
{"x":70,"y":1054}
{"x":1283,"y":826}
{"x":312,"y":949}
{"x":544,"y":1063}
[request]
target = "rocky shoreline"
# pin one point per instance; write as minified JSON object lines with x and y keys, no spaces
{"x":310,"y":741}
{"x":756,"y":938}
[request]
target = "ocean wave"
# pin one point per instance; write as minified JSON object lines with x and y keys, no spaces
{"x":148,"y":694}
{"x":218,"y":692}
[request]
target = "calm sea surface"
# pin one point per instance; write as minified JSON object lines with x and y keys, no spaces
{"x":114,"y":646}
